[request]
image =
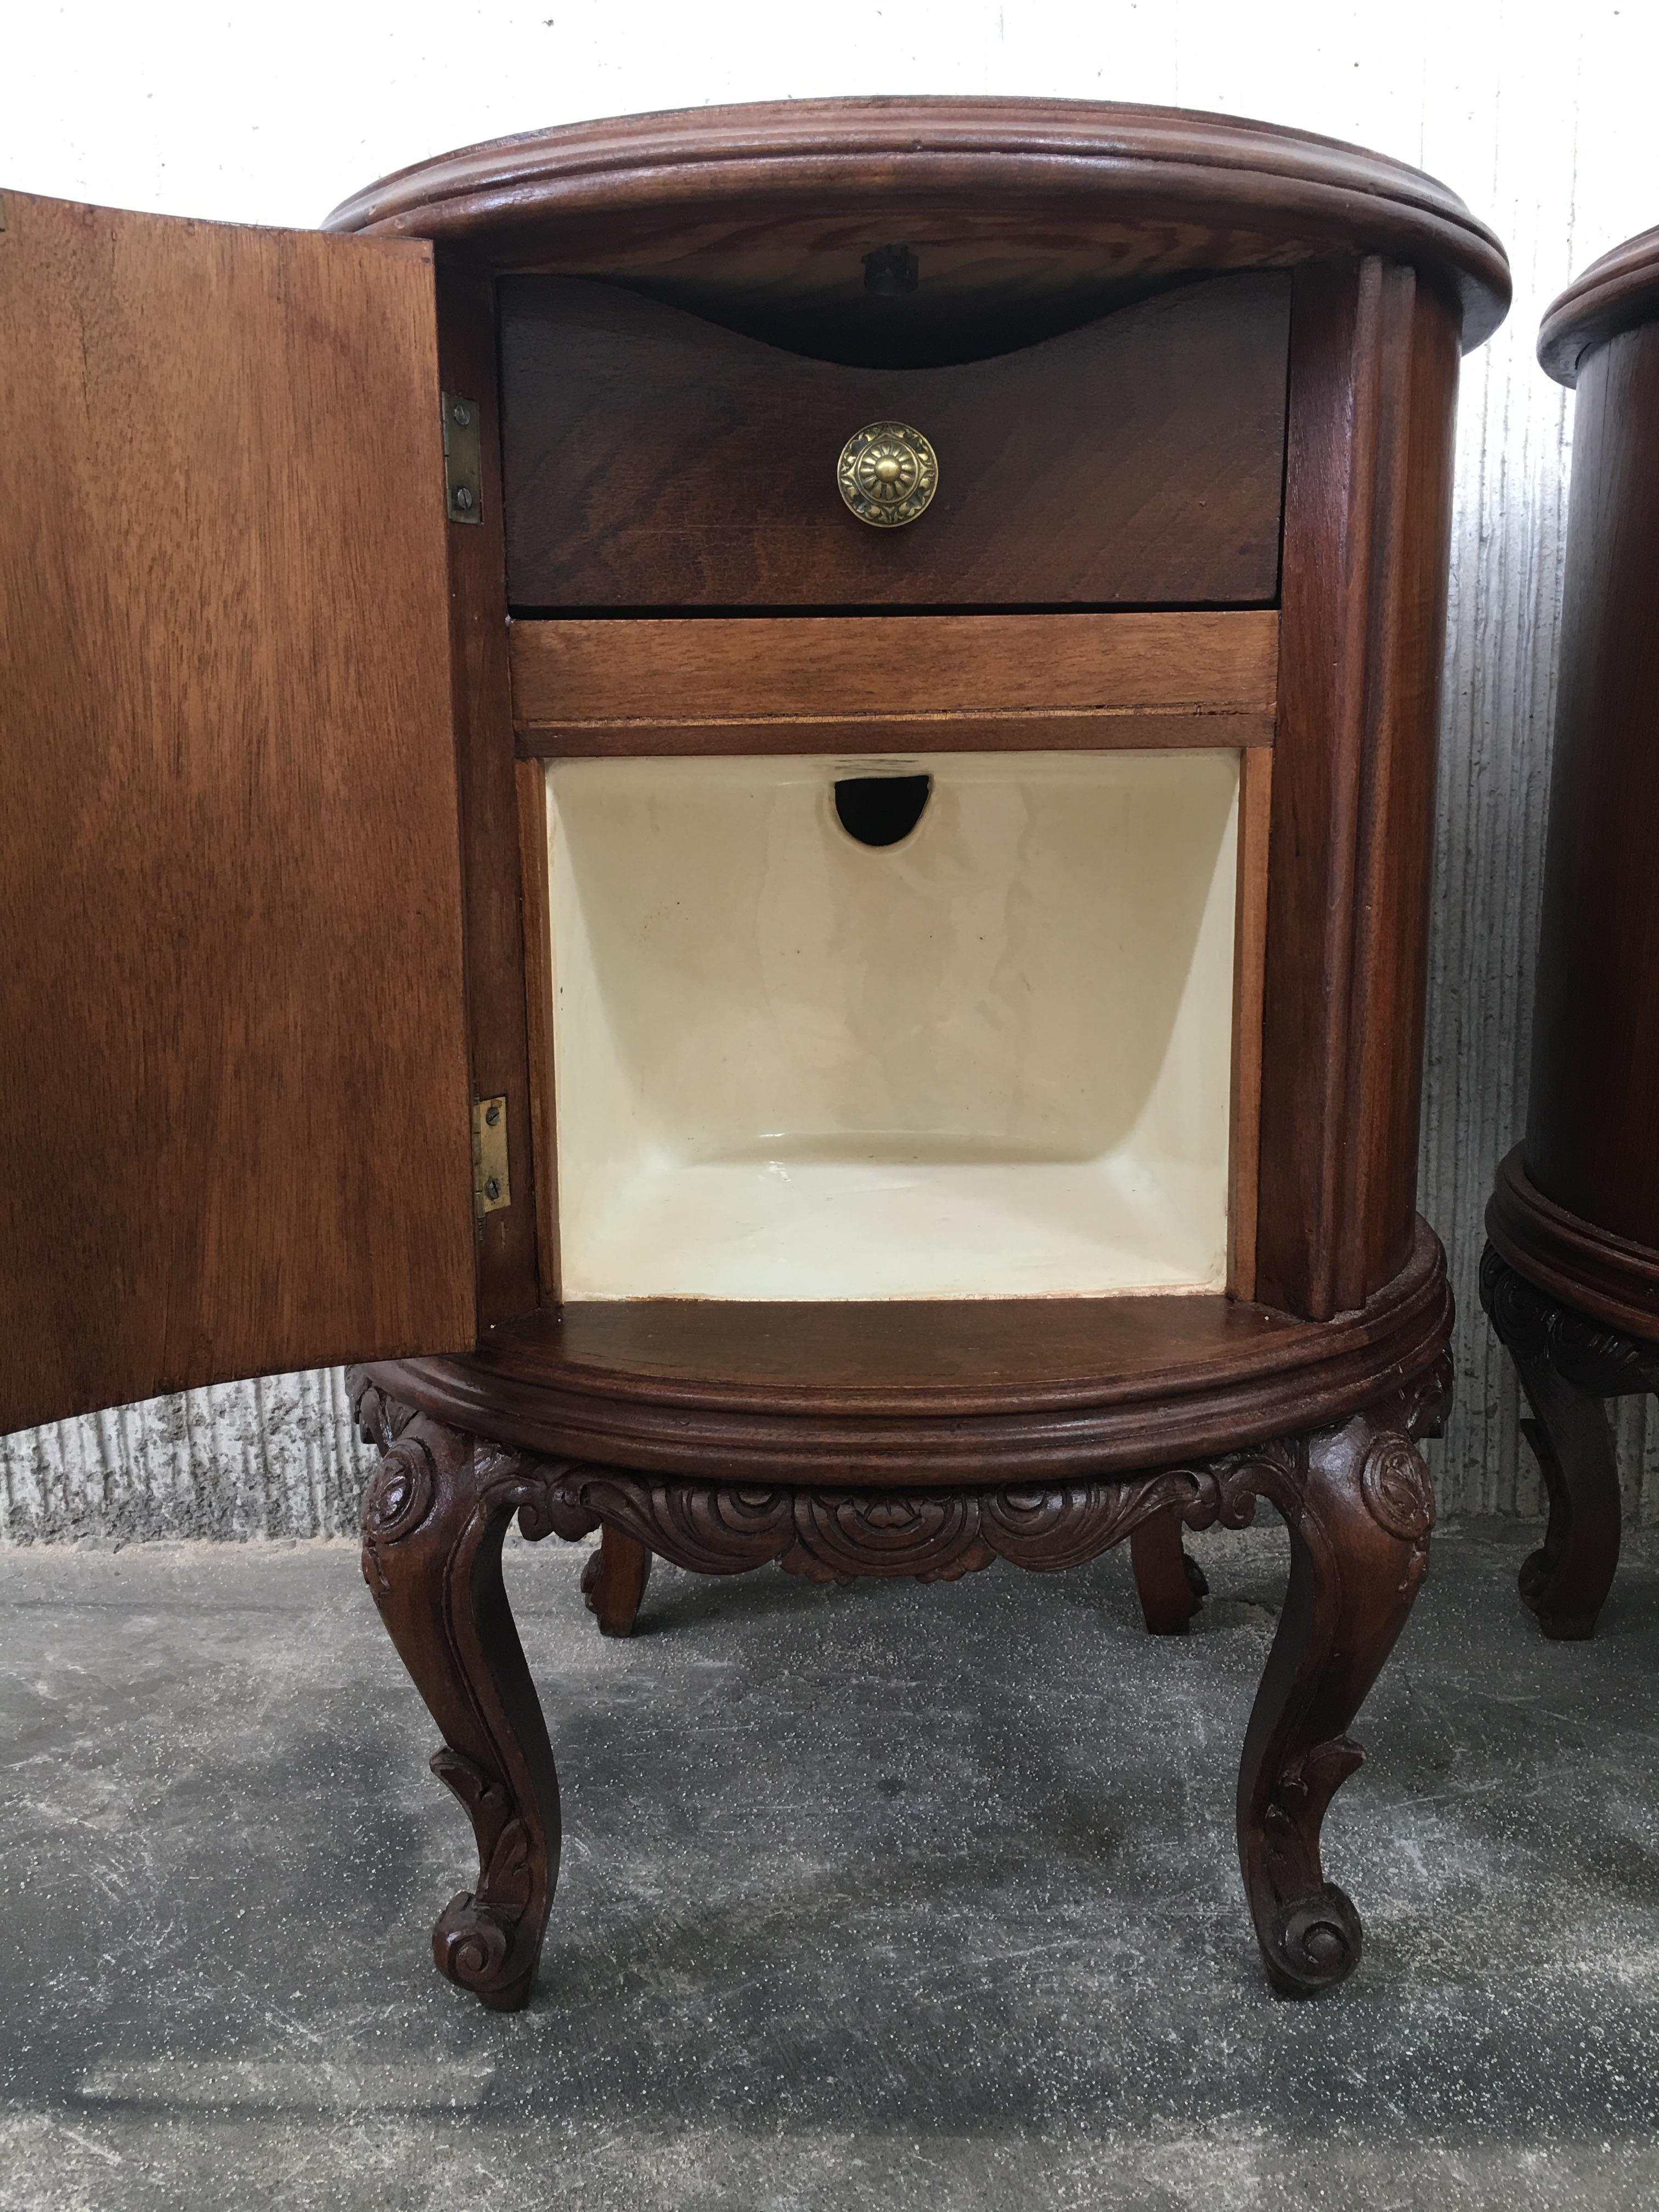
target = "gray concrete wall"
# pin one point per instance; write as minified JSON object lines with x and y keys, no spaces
{"x":272,"y":1458}
{"x":1538,"y":117}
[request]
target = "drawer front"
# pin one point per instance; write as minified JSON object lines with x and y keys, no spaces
{"x":655,"y":460}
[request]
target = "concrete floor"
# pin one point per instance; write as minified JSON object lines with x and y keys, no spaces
{"x":893,"y":1896}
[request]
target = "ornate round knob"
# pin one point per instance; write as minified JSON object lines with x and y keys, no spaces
{"x":887,"y":473}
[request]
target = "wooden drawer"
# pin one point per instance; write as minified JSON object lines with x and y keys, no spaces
{"x":655,"y":460}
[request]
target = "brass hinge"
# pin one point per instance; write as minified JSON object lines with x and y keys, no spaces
{"x":489,"y":1186}
{"x":463,"y":459}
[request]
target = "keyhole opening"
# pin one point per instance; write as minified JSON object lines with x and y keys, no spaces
{"x":881,"y":809}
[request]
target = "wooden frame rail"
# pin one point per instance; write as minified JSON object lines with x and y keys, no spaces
{"x":1255,"y":788}
{"x":904,"y":684}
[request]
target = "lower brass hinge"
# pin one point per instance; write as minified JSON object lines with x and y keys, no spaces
{"x":490,"y":1185}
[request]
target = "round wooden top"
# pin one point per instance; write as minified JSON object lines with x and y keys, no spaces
{"x":1615,"y":294}
{"x":1015,"y":199}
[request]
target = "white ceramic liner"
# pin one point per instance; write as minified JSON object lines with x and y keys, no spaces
{"x":992,"y":1060}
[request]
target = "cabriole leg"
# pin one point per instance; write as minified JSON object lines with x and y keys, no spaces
{"x":1565,"y":1582}
{"x":614,"y":1579}
{"x":435,"y":1516}
{"x":1567,"y":1365}
{"x":1170,"y":1583}
{"x":1359,"y":1507}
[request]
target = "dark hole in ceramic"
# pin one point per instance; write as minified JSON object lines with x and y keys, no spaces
{"x":881,"y":809}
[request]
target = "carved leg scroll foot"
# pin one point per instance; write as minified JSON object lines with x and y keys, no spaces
{"x":1567,"y":1365}
{"x":1357,"y":1500}
{"x":1566,"y":1580}
{"x":434,"y":1518}
{"x":1359,"y":1506}
{"x":614,"y":1579}
{"x":1170,"y":1580}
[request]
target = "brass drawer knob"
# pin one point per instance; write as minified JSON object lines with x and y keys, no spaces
{"x":888,"y":473}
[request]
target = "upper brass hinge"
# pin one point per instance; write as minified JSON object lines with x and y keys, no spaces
{"x":490,"y":1185}
{"x":463,"y":459}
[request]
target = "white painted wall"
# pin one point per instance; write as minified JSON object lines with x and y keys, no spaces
{"x":1540,"y":117}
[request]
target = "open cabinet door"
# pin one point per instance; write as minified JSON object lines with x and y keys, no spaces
{"x":236,"y":1128}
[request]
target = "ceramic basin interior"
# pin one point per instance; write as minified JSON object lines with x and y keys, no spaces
{"x":991,"y":1059}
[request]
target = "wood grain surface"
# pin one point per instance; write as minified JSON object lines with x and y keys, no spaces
{"x":904,"y":682}
{"x":533,"y":861}
{"x":869,"y":1392}
{"x":1592,"y":1142}
{"x":1356,"y":1500}
{"x":1373,"y":389}
{"x":655,"y":460}
{"x":234,"y":1135}
{"x":1618,"y":293}
{"x":1578,"y":1263}
{"x":506,"y":1254}
{"x":1255,"y":791}
{"x":766,"y":209}
{"x":1567,"y":1365}
{"x":1381,"y":1108}
{"x":220,"y":1461}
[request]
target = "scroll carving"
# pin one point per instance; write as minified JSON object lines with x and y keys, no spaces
{"x":1395,"y":1486}
{"x":1356,"y":1497}
{"x":399,"y":1497}
{"x":433,"y":1515}
{"x":932,"y":1535}
{"x":1601,"y":1361}
{"x":378,"y":1420}
{"x":474,"y":1937}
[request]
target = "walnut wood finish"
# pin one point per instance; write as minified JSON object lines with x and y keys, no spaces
{"x":507,"y":1247}
{"x":1595,"y":1097}
{"x":904,"y":684}
{"x":1367,"y":518}
{"x":1568,"y":1363}
{"x":1255,"y":788}
{"x":921,"y":1393}
{"x":614,"y":1579}
{"x":1041,"y":209}
{"x":656,"y":460}
{"x":223,"y":595}
{"x":921,"y":1439}
{"x":537,"y":940}
{"x":1357,"y":1499}
{"x":1616,"y":294}
{"x":1571,"y":1277}
{"x":1168,"y":1581}
{"x":1574,"y":1261}
{"x":1359,"y":1505}
{"x":250,"y":651}
{"x":435,"y":1516}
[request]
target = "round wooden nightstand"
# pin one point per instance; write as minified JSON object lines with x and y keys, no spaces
{"x":746,"y":796}
{"x":850,"y":1267}
{"x":1571,"y":1276}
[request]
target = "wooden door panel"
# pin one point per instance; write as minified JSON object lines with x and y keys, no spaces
{"x":235,"y":1131}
